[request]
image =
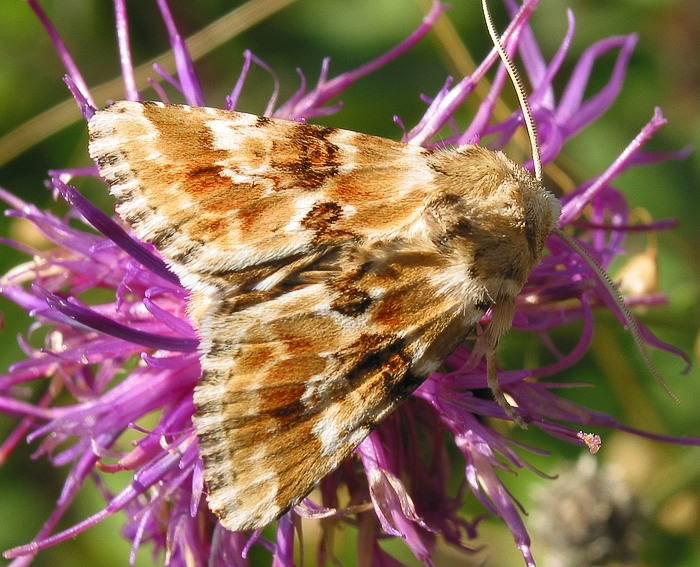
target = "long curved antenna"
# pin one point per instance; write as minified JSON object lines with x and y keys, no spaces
{"x":519,"y":90}
{"x":630,"y":321}
{"x":491,"y":373}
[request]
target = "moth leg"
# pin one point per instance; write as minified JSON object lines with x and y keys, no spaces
{"x":497,"y":391}
{"x":501,"y":318}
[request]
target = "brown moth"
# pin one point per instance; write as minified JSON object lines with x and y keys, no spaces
{"x":330,"y":273}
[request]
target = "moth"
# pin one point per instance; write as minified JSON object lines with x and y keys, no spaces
{"x":330,"y":273}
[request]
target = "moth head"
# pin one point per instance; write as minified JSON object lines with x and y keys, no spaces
{"x":540,"y":209}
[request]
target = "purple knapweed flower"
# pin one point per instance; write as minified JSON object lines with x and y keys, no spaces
{"x":135,"y":354}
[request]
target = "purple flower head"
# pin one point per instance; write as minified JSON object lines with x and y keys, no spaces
{"x":135,"y":353}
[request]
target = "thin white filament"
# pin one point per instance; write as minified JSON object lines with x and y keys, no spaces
{"x":630,"y":320}
{"x":519,"y":90}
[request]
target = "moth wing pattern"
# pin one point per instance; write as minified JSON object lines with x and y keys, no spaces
{"x":218,"y":191}
{"x":311,"y":372}
{"x":330,"y":272}
{"x":255,"y":216}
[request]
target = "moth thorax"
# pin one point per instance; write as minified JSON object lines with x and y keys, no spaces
{"x":486,"y":193}
{"x":491,"y":218}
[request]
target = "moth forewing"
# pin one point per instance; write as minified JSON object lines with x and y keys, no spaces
{"x":306,"y":347}
{"x":331,"y":272}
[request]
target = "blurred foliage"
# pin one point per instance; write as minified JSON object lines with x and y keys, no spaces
{"x":664,"y":71}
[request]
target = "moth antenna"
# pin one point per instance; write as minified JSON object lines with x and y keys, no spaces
{"x":519,"y":90}
{"x":630,"y":321}
{"x":491,"y":374}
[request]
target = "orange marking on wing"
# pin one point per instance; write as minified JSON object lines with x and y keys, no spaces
{"x":294,"y":370}
{"x":259,"y":217}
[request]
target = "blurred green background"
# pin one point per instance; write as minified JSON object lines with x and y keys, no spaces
{"x":665,"y":71}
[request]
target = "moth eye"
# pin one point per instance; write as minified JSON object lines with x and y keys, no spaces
{"x":534,"y":237}
{"x":443,"y":241}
